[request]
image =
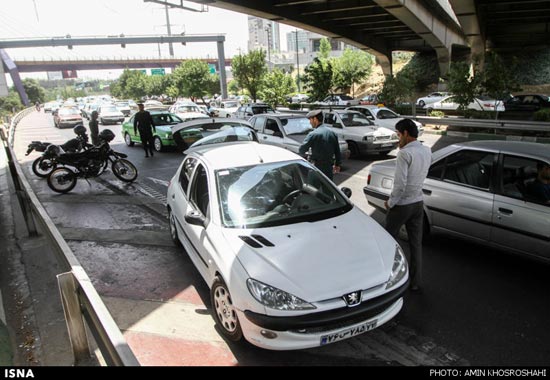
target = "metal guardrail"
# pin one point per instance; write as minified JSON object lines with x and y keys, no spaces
{"x":81,"y":302}
{"x":522,"y":125}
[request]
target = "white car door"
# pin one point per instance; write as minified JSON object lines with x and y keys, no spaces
{"x":272,"y":133}
{"x":521,"y":222}
{"x":190,"y":203}
{"x":457,"y":194}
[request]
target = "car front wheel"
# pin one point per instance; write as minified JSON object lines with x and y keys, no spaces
{"x":128,"y":139}
{"x":157,"y":144}
{"x":225,"y":313}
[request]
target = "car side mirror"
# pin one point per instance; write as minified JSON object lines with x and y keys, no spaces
{"x":346,"y":191}
{"x":195,"y":218}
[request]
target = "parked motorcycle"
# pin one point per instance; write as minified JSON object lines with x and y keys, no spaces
{"x":44,"y":164}
{"x":90,"y":163}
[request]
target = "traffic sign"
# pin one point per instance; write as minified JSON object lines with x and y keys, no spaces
{"x":157,"y":71}
{"x":212,"y":68}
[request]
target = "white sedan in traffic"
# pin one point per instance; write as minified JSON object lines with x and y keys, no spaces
{"x":383,"y":117}
{"x":291,"y":263}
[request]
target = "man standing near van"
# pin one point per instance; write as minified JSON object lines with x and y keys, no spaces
{"x":406,"y":202}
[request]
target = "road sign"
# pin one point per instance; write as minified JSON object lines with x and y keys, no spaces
{"x":212,"y":68}
{"x":157,"y":71}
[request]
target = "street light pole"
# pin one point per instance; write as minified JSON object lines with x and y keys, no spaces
{"x":297,"y":62}
{"x":170,"y":47}
{"x":268,"y":30}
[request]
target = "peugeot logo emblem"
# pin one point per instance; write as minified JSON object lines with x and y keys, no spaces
{"x":352,"y":299}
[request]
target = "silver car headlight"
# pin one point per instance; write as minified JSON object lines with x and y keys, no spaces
{"x":394,"y":136}
{"x":399,"y":268}
{"x":276,"y":298}
{"x":368,"y":138}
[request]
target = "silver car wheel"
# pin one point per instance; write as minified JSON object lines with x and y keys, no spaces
{"x":224,"y":308}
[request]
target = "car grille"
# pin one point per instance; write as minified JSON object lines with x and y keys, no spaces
{"x":382,"y":138}
{"x":343,"y":323}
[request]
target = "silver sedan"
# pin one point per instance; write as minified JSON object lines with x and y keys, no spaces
{"x":483,"y":191}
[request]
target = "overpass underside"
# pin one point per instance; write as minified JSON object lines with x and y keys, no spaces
{"x":376,"y":26}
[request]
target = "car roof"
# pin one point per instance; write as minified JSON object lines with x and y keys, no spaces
{"x":245,"y":153}
{"x":513,"y":147}
{"x":195,"y":123}
{"x":282,"y":115}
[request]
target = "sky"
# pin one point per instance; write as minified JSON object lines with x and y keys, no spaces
{"x":58,"y":18}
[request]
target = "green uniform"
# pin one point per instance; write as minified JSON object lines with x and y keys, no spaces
{"x":325,"y":150}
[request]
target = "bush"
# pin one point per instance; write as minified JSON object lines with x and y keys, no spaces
{"x":542,"y":115}
{"x":434,"y":113}
{"x":294,"y":106}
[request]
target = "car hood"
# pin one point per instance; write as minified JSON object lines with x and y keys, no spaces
{"x":350,"y":252}
{"x":372,"y":130}
{"x":112,"y":113}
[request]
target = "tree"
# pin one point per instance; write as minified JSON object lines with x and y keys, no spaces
{"x":277,"y":85}
{"x":397,"y":89}
{"x":130,"y":85}
{"x":499,"y":82}
{"x":464,"y":85}
{"x":11,"y":103}
{"x":324,"y":48}
{"x":352,"y":67}
{"x":318,"y":78}
{"x":34,"y":90}
{"x":192,"y":79}
{"x":156,"y":84}
{"x":249,"y":71}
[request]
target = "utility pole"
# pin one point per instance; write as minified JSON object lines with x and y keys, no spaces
{"x":170,"y":47}
{"x":297,"y":63}
{"x":268,"y":30}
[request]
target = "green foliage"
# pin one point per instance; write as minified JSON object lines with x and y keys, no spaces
{"x":130,"y":85}
{"x":351,"y":67}
{"x":249,"y":71}
{"x":423,"y":68}
{"x":34,"y":90}
{"x":192,"y":79}
{"x":529,"y":67}
{"x":156,"y":84}
{"x":498,"y":78}
{"x":542,"y":115}
{"x":10,"y":104}
{"x":276,"y":86}
{"x":463,"y":84}
{"x":324,"y":48}
{"x":294,"y":106}
{"x":436,"y":113}
{"x":213,"y":85}
{"x":233,"y":87}
{"x":70,"y":92}
{"x":397,"y":89}
{"x":318,"y":78}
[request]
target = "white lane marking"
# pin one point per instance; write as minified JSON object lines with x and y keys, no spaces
{"x":159,"y":181}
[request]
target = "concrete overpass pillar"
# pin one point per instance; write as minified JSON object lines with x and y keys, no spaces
{"x":385,"y":61}
{"x":221,"y":64}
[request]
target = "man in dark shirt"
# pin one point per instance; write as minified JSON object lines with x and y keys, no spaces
{"x":94,"y":128}
{"x":325,"y":150}
{"x":143,"y":122}
{"x":539,"y":190}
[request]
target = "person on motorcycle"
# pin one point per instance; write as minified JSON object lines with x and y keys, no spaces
{"x":94,"y":128}
{"x":144,"y":123}
{"x":37,"y":106}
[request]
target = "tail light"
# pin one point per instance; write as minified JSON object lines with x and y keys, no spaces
{"x":368,"y":179}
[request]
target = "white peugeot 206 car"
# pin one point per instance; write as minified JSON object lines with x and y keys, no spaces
{"x":291,"y":263}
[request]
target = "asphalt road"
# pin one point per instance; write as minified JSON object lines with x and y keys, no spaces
{"x":479,"y":306}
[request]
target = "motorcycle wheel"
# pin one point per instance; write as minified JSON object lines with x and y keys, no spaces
{"x":124,"y":170}
{"x":42,"y":167}
{"x":62,"y":180}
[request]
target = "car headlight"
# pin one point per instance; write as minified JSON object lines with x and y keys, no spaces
{"x":276,"y":298}
{"x":394,"y":136}
{"x":368,"y":138}
{"x":399,"y":268}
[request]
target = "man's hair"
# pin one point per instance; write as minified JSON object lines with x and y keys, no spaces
{"x":407,"y":125}
{"x":541,"y":165}
{"x":140,"y":105}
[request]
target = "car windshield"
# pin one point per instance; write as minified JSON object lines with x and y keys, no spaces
{"x":354,"y":119}
{"x":346,"y":97}
{"x":227,"y":134}
{"x":259,"y":110}
{"x":184,"y":109}
{"x":109,"y":109}
{"x":276,"y":194}
{"x":69,"y":111}
{"x":165,"y":119}
{"x":296,"y":126}
{"x":122,"y":104}
{"x":230,"y":104}
{"x":386,"y":114}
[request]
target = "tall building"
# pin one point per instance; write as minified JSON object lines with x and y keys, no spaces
{"x":263,"y":34}
{"x":303,"y":40}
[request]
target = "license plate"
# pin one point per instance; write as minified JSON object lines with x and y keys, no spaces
{"x":385,"y":145}
{"x":341,"y":335}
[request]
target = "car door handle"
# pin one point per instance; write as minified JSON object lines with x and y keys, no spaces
{"x":265,"y":137}
{"x":427,"y":192}
{"x":505,"y":211}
